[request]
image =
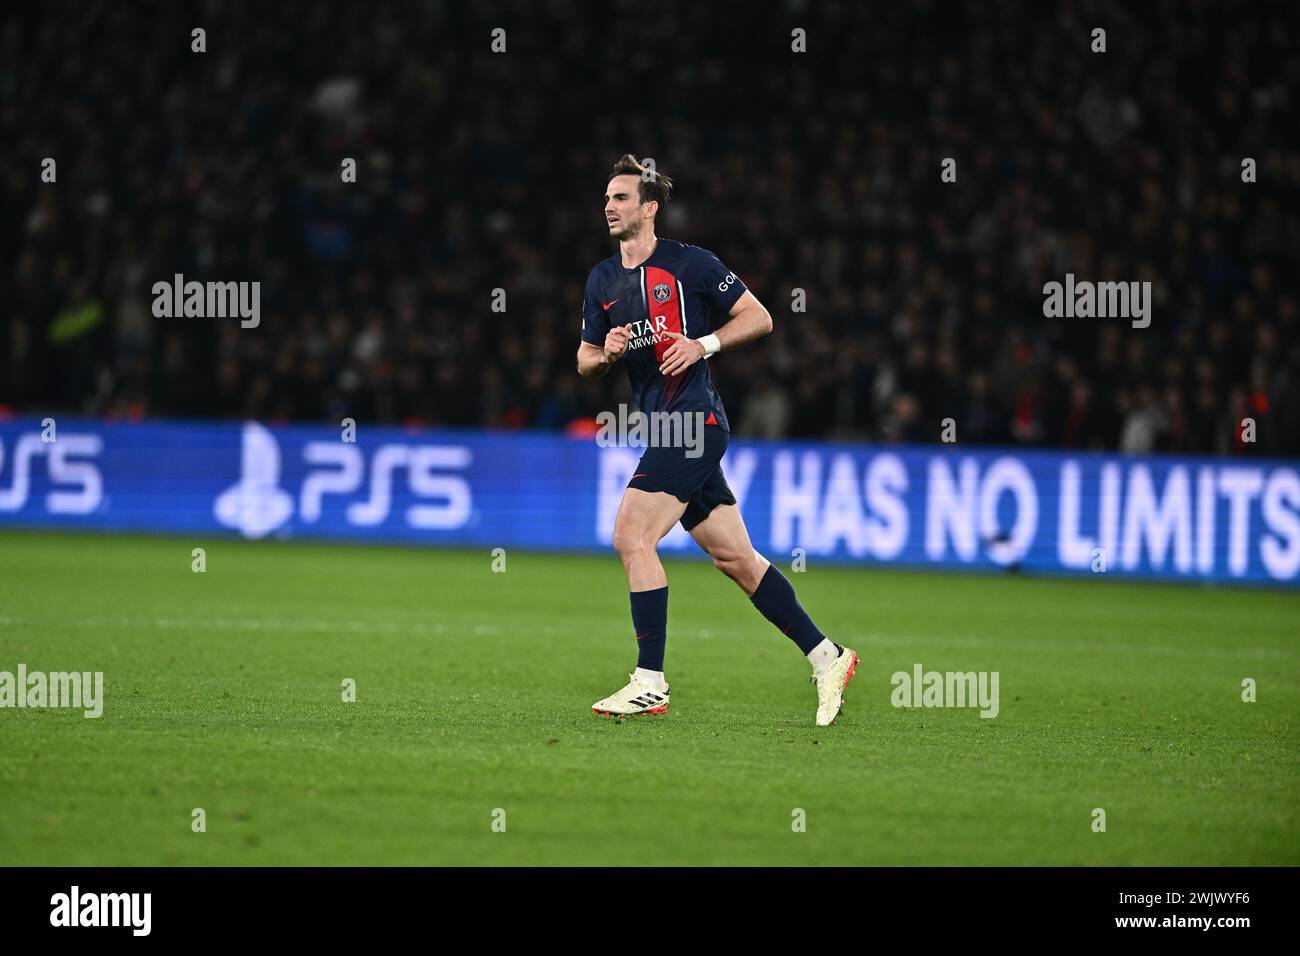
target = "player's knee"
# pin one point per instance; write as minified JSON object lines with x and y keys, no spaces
{"x":630,"y":541}
{"x":737,"y":568}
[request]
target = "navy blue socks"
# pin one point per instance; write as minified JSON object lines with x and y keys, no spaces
{"x":775,"y":599}
{"x":650,"y":618}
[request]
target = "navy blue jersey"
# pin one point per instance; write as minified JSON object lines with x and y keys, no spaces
{"x":678,"y":289}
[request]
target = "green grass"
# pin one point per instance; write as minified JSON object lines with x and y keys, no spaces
{"x":223,"y":692}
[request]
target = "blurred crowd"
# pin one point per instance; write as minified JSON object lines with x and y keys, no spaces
{"x":815,"y":175}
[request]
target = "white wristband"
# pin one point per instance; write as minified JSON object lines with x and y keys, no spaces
{"x":710,"y":343}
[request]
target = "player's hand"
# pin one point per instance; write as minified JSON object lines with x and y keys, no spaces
{"x":681,"y":355}
{"x":616,"y":340}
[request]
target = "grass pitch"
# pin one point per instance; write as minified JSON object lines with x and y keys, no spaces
{"x":474,"y":688}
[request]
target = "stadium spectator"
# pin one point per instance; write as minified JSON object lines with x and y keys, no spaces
{"x":817,"y":176}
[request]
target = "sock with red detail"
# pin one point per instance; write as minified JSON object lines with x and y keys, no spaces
{"x":650,"y":618}
{"x":775,"y":599}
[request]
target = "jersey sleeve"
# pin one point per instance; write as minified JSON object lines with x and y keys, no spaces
{"x":722,"y":287}
{"x":595,"y":320}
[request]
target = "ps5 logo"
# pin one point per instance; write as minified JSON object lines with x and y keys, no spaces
{"x":62,"y":469}
{"x":256,"y":505}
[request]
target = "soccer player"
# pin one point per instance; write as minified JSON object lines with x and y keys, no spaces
{"x":650,"y":306}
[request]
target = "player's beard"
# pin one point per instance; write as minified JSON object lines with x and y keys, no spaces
{"x":630,"y":231}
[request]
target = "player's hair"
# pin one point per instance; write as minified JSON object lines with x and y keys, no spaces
{"x":654,"y":184}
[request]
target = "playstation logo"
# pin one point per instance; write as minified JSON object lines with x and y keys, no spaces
{"x":256,"y":505}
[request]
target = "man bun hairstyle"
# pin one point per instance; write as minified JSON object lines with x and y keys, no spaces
{"x":655,"y":186}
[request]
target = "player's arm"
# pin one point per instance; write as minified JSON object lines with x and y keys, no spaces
{"x":749,"y":321}
{"x":594,"y":361}
{"x":591,"y":361}
{"x":601,"y":346}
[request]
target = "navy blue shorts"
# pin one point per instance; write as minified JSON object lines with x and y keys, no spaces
{"x":697,"y":481}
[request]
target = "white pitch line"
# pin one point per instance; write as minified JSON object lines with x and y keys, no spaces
{"x":437,"y":629}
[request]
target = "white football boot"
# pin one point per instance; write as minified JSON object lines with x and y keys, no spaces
{"x":830,"y":686}
{"x":640,"y":696}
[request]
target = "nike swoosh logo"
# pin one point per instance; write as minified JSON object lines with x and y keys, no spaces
{"x":640,"y":474}
{"x":606,"y":305}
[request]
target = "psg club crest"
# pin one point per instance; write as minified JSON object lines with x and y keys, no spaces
{"x":662,"y":292}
